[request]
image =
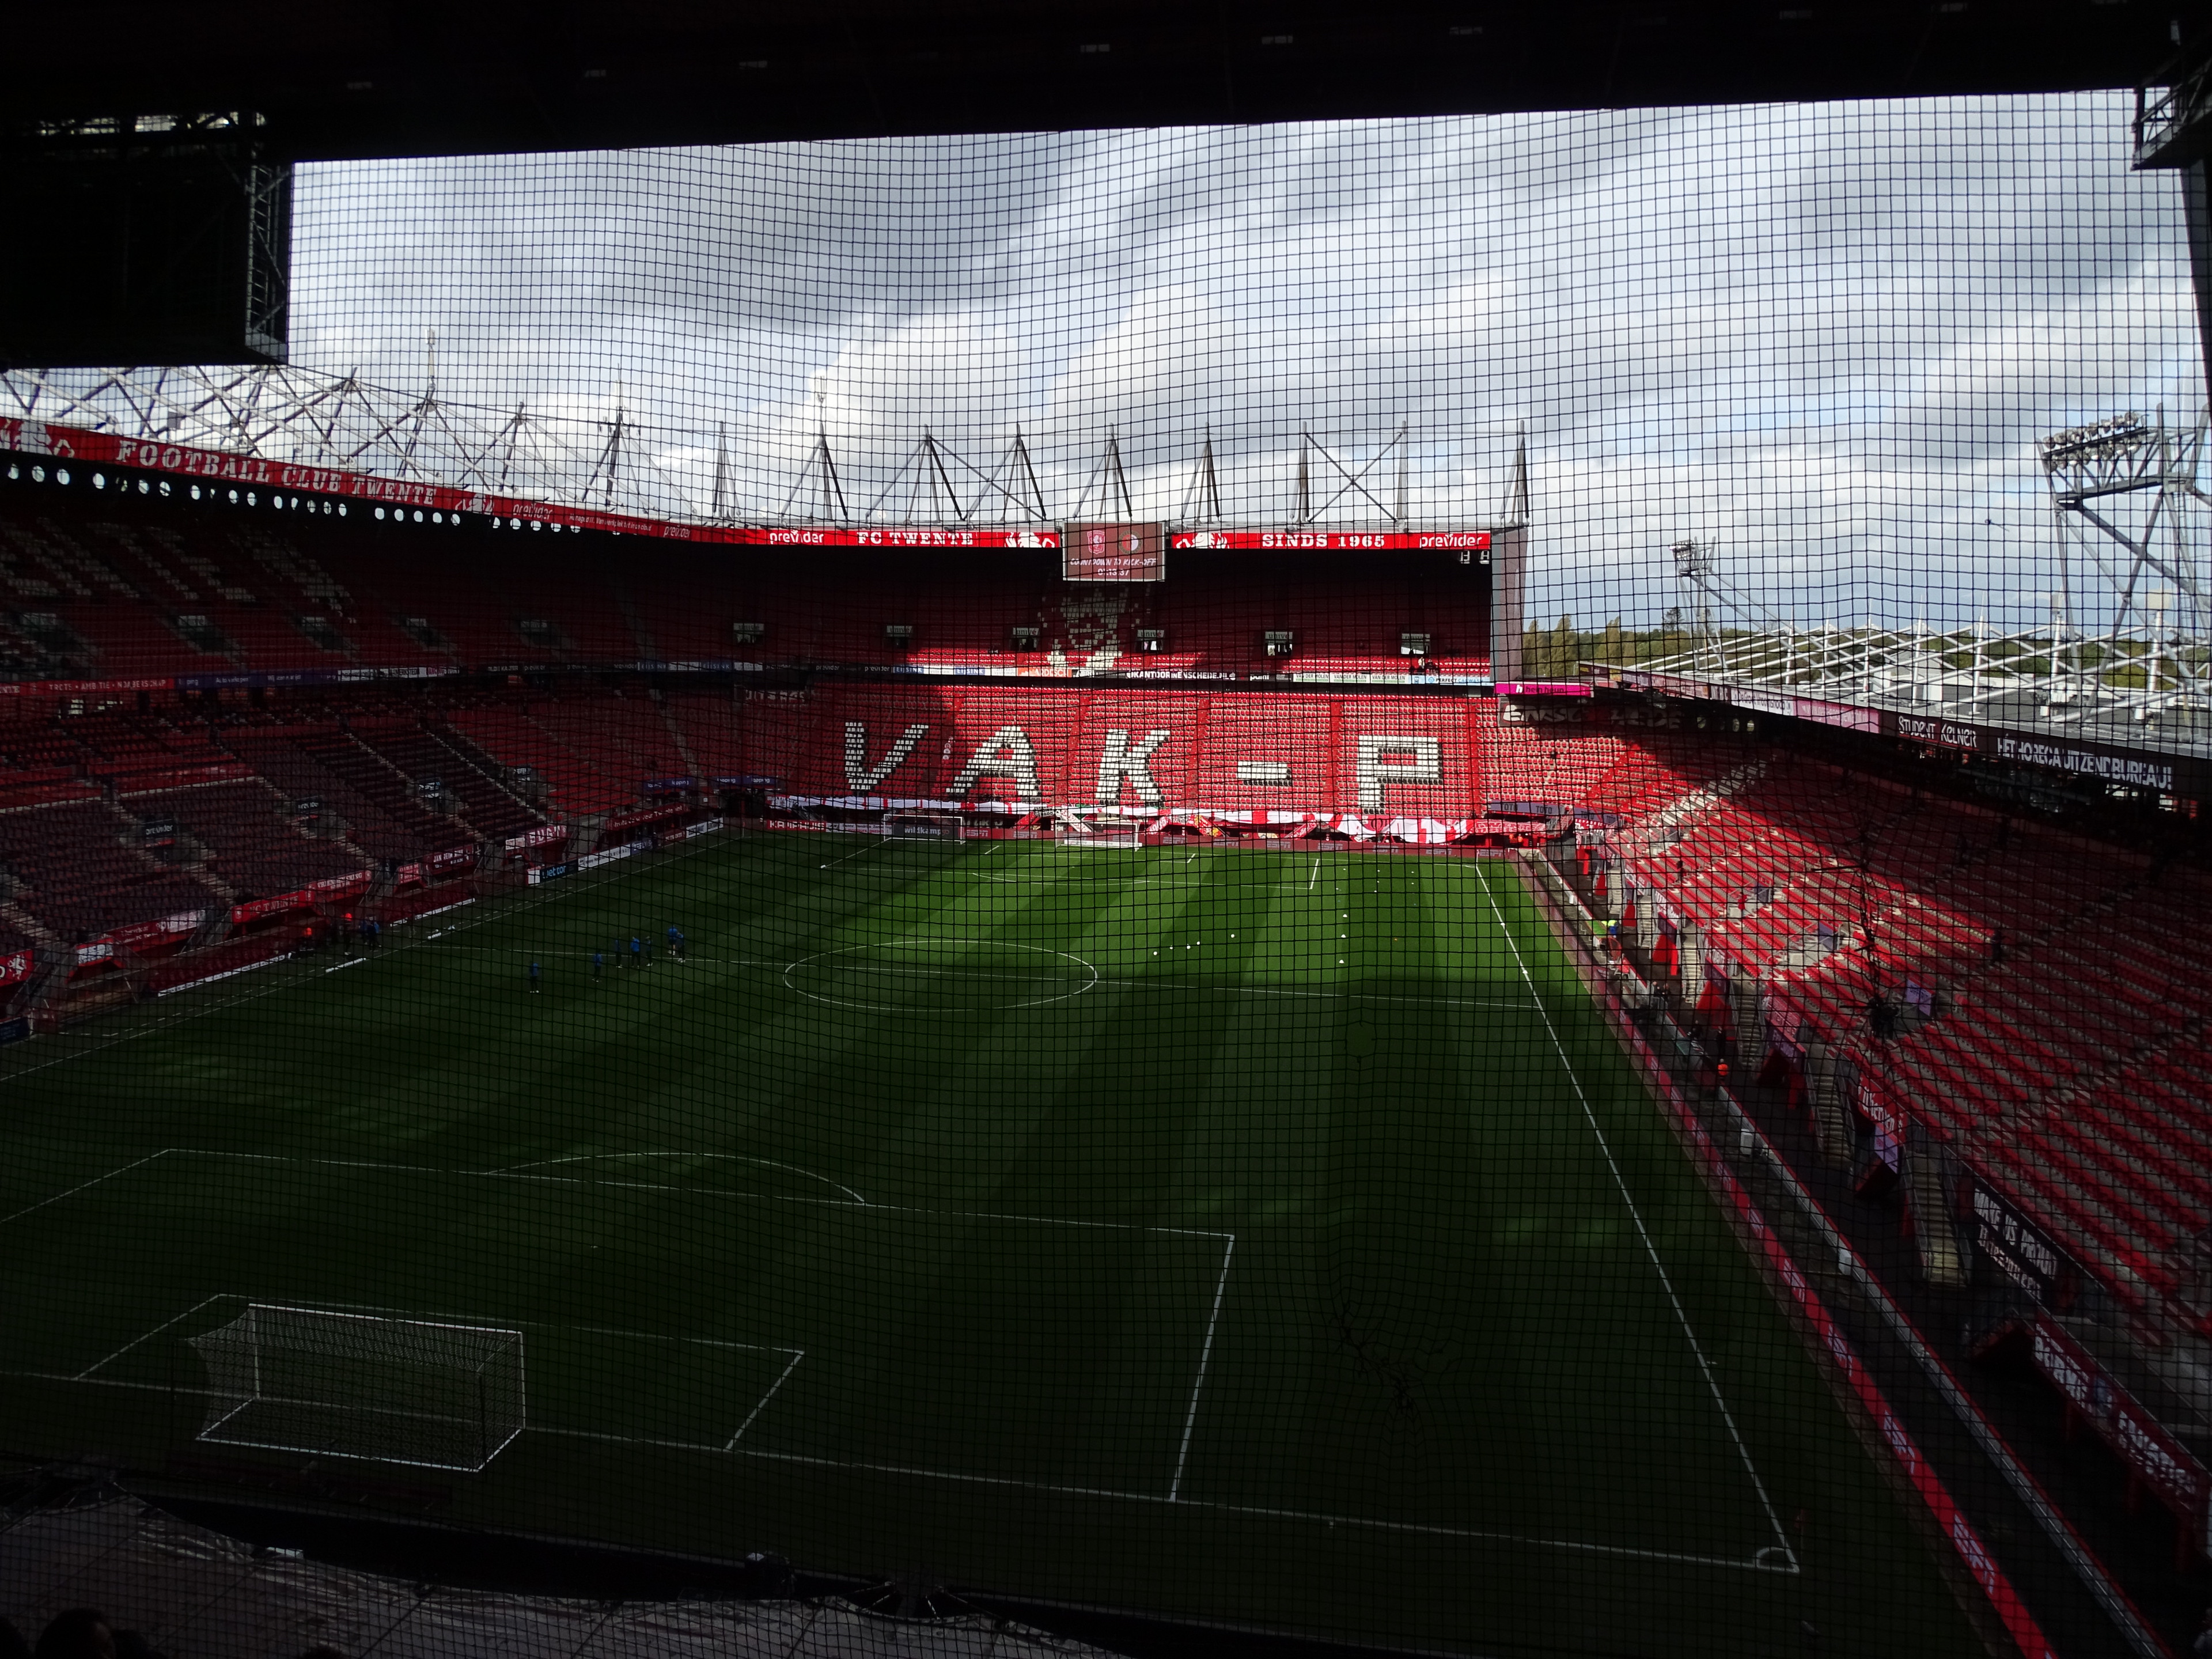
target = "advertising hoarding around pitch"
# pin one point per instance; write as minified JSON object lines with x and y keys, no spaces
{"x":1113,"y":553}
{"x":1474,"y":542}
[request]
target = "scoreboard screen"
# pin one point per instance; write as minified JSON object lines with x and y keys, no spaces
{"x":1114,"y":553}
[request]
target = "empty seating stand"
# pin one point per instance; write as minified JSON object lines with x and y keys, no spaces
{"x":2041,"y":1069}
{"x":478,"y":796}
{"x":131,"y":588}
{"x":252,"y":844}
{"x":74,"y":872}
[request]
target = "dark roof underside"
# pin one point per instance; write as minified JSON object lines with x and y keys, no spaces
{"x":344,"y":78}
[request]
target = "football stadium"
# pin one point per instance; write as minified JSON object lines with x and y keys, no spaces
{"x":981,"y":830}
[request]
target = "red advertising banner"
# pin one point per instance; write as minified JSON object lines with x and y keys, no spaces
{"x":544,"y":836}
{"x":254,"y":910}
{"x":878,"y":536}
{"x":334,"y":887}
{"x":16,"y":966}
{"x":1328,"y":541}
{"x":256,"y":474}
{"x":78,"y":688}
{"x":149,"y":932}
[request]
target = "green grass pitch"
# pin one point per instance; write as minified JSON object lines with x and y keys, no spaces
{"x":1276,"y":1240}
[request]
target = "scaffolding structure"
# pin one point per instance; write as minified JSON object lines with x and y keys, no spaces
{"x":2126,"y":650}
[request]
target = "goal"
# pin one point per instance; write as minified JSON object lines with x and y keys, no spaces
{"x":914,"y":826}
{"x":1104,"y":830}
{"x":361,"y":1385}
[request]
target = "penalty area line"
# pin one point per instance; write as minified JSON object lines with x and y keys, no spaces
{"x":849,"y":857}
{"x":725,"y":1157}
{"x":1205,"y":1356}
{"x":83,"y":1185}
{"x":178,"y":1319}
{"x":761,"y":1405}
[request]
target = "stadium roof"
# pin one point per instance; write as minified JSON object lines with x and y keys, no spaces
{"x":355,"y":78}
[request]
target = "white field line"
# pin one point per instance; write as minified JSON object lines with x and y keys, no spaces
{"x":1759,"y":1563}
{"x":761,"y":1405}
{"x":342,"y":966}
{"x":82,"y":1185}
{"x":1697,"y":1349}
{"x":870,"y":848}
{"x":377,"y":1309}
{"x":1314,"y":877}
{"x":149,"y":1336}
{"x":228,"y":973}
{"x":1179,"y":988}
{"x":1204,"y":1354}
{"x":730,"y":1157}
{"x":1754,"y":1564}
{"x":666,"y":1187}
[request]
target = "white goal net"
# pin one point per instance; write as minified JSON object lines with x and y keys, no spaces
{"x":910,"y":825}
{"x":362,"y":1385}
{"x":1101,"y":829}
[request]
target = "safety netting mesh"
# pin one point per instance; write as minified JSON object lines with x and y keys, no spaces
{"x":1416,"y":883}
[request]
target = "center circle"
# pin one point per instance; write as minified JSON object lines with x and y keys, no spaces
{"x":940,"y":974}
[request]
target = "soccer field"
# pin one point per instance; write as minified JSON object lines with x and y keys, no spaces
{"x":1273,"y":1239}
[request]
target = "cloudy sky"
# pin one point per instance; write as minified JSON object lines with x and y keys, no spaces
{"x":1823,"y":337}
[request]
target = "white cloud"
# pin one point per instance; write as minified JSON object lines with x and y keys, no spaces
{"x":1825,"y":335}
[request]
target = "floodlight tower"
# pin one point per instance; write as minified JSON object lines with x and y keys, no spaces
{"x":2099,"y":475}
{"x":1696,"y":566}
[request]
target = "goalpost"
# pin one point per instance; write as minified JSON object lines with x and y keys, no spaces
{"x":362,"y":1385}
{"x":914,"y":825}
{"x":1101,"y":829}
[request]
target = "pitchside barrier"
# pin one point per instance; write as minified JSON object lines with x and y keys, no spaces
{"x":975,"y":830}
